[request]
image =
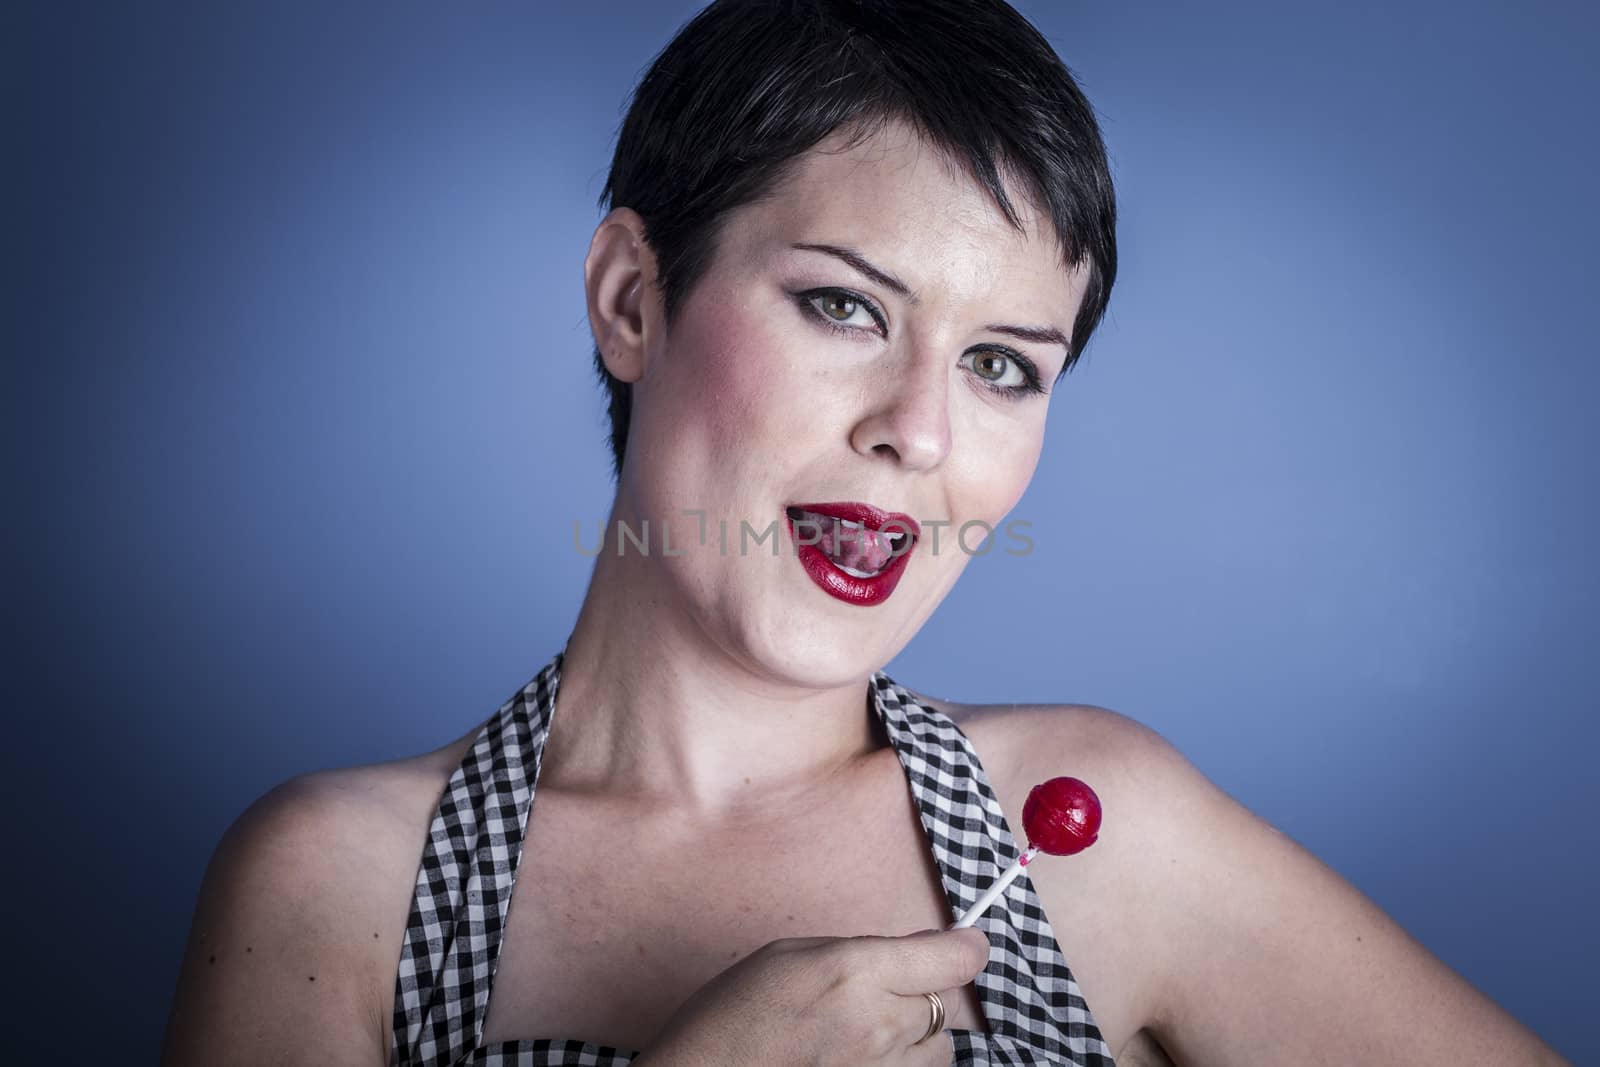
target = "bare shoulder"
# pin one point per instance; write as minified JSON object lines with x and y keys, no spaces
{"x":1140,"y":778}
{"x":1098,"y":902}
{"x":297,"y":926}
{"x":1021,"y":745}
{"x":1195,"y":922}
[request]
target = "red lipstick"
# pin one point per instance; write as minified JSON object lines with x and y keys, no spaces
{"x":827,"y":573}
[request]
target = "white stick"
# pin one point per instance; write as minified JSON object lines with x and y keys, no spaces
{"x":995,"y":890}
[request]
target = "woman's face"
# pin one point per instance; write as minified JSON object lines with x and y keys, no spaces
{"x":793,"y":376}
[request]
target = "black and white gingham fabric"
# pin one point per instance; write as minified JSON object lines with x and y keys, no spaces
{"x":1035,"y":1009}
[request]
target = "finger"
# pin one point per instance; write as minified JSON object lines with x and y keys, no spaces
{"x":794,"y":944}
{"x":917,"y":1013}
{"x":957,"y":1015}
{"x":931,"y":959}
{"x":920,"y":1013}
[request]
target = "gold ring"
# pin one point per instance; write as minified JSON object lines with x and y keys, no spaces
{"x":936,"y":1021}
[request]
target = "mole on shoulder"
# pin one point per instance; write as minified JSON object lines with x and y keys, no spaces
{"x":374,"y":937}
{"x":213,"y":959}
{"x":247,"y":948}
{"x":312,"y":978}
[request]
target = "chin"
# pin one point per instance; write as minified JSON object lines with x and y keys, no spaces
{"x":812,"y":649}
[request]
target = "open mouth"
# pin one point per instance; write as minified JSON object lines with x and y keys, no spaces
{"x":850,"y":544}
{"x":854,"y":551}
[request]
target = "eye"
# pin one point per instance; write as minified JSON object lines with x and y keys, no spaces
{"x":842,"y":310}
{"x":1003,"y":371}
{"x":997,"y":367}
{"x":838,"y":307}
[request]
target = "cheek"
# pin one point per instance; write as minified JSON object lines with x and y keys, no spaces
{"x":736,"y":389}
{"x":1027,"y":463}
{"x":747,"y":385}
{"x":998,"y":471}
{"x":716,"y":414}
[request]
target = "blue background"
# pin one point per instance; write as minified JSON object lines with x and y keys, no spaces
{"x":301,"y":414}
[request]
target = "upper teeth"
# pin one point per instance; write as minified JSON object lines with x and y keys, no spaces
{"x":894,"y":535}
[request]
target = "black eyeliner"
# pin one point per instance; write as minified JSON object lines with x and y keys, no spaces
{"x":851,"y":295}
{"x":1030,"y":371}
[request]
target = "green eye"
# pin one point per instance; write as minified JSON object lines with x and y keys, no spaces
{"x":1003,"y":371}
{"x":832,"y":301}
{"x":837,"y":309}
{"x":991,"y":365}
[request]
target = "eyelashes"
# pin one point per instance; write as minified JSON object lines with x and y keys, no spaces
{"x":810,"y":299}
{"x":808,"y":302}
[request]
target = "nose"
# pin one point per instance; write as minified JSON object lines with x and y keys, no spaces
{"x":908,"y":416}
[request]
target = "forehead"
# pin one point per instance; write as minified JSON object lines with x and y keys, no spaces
{"x":910,"y":208}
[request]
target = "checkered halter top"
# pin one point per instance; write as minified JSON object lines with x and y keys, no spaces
{"x":463,"y":889}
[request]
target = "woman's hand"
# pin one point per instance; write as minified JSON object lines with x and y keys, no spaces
{"x":827,"y":1000}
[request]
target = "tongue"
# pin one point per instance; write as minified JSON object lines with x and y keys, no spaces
{"x":861,"y":550}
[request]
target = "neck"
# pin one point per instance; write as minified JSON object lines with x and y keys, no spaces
{"x":654,"y":709}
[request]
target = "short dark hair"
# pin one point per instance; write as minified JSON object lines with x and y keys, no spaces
{"x":748,"y":86}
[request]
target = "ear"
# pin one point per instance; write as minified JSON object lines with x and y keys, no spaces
{"x":619,"y":278}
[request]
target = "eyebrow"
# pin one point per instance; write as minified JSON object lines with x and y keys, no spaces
{"x":1039,"y":334}
{"x":862,"y":264}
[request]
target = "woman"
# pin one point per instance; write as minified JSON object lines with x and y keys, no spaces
{"x":850,"y":248}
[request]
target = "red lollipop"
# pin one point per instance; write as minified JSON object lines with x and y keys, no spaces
{"x":1061,"y":817}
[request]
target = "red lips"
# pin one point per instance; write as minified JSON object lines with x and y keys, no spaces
{"x":867,"y":515}
{"x":850,"y":588}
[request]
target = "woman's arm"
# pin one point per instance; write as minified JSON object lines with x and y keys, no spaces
{"x":1264,"y":955}
{"x":279,"y":967}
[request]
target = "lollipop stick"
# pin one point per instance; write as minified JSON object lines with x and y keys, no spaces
{"x":995,"y":890}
